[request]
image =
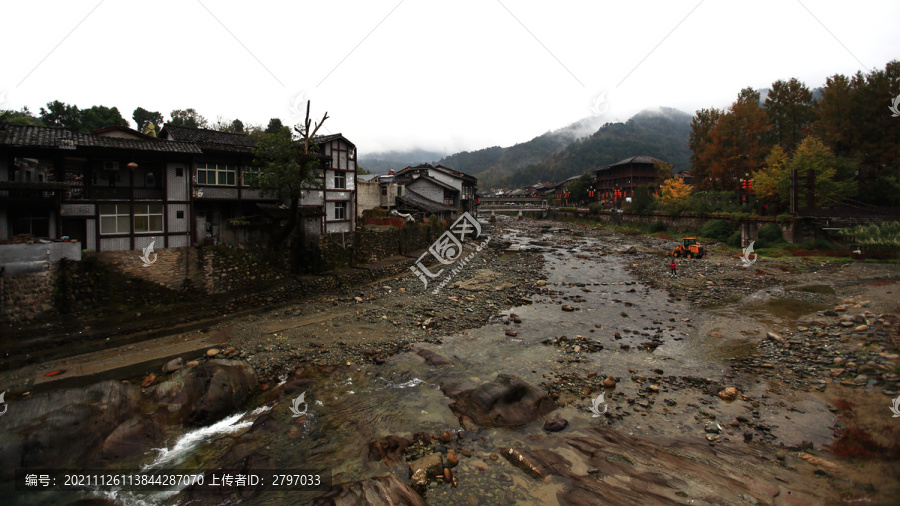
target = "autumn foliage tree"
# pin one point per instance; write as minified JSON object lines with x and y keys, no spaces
{"x":850,"y":117}
{"x":702,"y":143}
{"x":674,"y":194}
{"x":830,"y":189}
{"x":773,"y":182}
{"x":663,"y":170}
{"x":727,"y":145}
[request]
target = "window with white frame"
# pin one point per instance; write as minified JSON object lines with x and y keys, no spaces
{"x":148,"y":218}
{"x":115,"y":219}
{"x":250,"y":176}
{"x":340,"y":180}
{"x":340,"y":210}
{"x":216,"y":174}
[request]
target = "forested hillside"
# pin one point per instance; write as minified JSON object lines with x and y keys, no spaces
{"x":661,"y":134}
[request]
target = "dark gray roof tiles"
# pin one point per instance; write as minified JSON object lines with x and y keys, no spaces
{"x":322,"y":139}
{"x":12,"y":135}
{"x":210,"y":140}
{"x":417,"y":201}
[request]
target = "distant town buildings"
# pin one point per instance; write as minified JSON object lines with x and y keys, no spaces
{"x":421,"y":191}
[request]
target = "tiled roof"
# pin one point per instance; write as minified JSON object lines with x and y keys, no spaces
{"x":637,"y":159}
{"x":322,"y":139}
{"x":12,"y":135}
{"x":454,"y":172}
{"x":130,"y":131}
{"x":441,"y":168}
{"x":209,"y":140}
{"x":434,"y":181}
{"x":417,"y":201}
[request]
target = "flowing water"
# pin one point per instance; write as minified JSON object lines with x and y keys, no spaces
{"x":363,"y":403}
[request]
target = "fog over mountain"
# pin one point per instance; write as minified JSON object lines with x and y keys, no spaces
{"x":574,"y":149}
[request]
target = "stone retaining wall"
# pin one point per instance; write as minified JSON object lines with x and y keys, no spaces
{"x":311,"y":285}
{"x":792,"y":231}
{"x":170,"y":267}
{"x":27,"y":296}
{"x":376,"y":243}
{"x":117,"y":279}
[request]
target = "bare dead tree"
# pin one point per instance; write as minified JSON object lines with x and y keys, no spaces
{"x":305,"y":133}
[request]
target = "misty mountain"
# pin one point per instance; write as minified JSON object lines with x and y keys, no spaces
{"x":661,"y":133}
{"x":490,"y":164}
{"x":575,"y":149}
{"x":381,"y":162}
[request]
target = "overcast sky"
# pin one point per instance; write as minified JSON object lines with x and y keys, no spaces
{"x":447,"y":76}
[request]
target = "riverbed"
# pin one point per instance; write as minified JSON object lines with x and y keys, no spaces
{"x":582,"y":326}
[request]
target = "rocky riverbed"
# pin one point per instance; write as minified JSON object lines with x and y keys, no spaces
{"x":565,"y":365}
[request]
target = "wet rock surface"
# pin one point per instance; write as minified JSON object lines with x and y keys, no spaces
{"x":507,"y":401}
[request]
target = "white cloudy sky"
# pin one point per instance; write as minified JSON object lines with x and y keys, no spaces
{"x":438,"y":75}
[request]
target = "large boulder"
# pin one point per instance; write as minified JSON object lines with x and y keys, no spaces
{"x":204,"y":394}
{"x":64,"y":427}
{"x":230,"y":383}
{"x":130,"y":439}
{"x":506,"y":401}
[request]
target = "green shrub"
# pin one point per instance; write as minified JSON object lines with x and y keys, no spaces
{"x":642,"y":201}
{"x":769,"y":236}
{"x":657,"y":226}
{"x":784,"y":217}
{"x":819,"y":244}
{"x":594,"y":207}
{"x":719,"y":230}
{"x":883,"y":236}
{"x":734,"y":240}
{"x":709,"y":202}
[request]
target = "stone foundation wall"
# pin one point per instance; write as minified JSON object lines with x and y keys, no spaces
{"x":112,"y":280}
{"x":169,"y":269}
{"x":376,"y":243}
{"x":28,"y":296}
{"x":226,"y":269}
{"x":792,"y":231}
{"x":312,"y":285}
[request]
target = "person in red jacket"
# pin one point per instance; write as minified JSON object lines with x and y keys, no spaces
{"x":673,"y":267}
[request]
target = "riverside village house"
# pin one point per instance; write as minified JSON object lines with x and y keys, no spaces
{"x":119,"y":189}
